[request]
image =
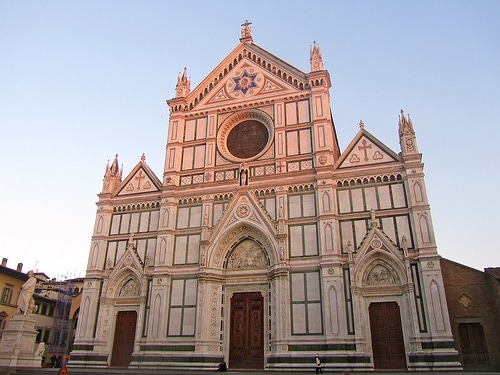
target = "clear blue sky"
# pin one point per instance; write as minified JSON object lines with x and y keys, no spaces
{"x":83,"y":80}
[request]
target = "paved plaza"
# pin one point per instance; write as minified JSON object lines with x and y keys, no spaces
{"x":118,"y":371}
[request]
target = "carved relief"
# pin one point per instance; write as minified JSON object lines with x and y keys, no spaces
{"x":376,"y":243}
{"x":221,"y":95}
{"x":243,"y":210}
{"x":380,"y":275}
{"x":354,"y":159}
{"x":248,"y":255}
{"x":129,"y":289}
{"x":214,"y":322}
{"x":245,"y":82}
{"x":464,"y":300}
{"x":270,"y":86}
{"x":233,"y":236}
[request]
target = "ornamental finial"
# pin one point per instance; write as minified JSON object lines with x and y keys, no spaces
{"x":246,"y":32}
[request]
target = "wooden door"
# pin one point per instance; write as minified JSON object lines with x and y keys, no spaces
{"x":473,"y":346}
{"x":387,"y":336}
{"x":123,"y":343}
{"x":247,"y":331}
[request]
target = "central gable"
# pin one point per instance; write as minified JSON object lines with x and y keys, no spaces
{"x":245,"y":82}
{"x":247,"y":72}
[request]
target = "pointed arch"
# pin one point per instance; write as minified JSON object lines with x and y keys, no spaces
{"x":418,"y":192}
{"x":437,"y":308}
{"x":166,"y":217}
{"x":155,"y":325}
{"x":379,"y":263}
{"x":126,"y":282}
{"x":163,"y":251}
{"x":326,"y":202}
{"x":217,"y":255}
{"x":380,"y":272}
{"x":334,"y":310}
{"x":95,"y":255}
{"x":246,"y":254}
{"x":424,"y":228}
{"x":100,"y":224}
{"x":85,"y":317}
{"x":328,"y":230}
{"x":130,"y":288}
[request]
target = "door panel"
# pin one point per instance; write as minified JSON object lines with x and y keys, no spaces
{"x":473,"y":346}
{"x":387,"y":336}
{"x":247,"y":331}
{"x":123,"y":344}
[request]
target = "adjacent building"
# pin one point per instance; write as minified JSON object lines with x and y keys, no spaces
{"x":11,"y":281}
{"x":261,"y":243}
{"x":474,"y":306}
{"x":56,"y":313}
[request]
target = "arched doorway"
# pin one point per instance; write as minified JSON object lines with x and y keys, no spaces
{"x":245,"y":255}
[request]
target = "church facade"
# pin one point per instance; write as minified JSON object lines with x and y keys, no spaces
{"x":262,"y":244}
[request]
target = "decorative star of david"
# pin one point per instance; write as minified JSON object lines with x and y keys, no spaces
{"x":245,"y":82}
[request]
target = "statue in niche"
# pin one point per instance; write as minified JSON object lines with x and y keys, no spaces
{"x":243,"y":174}
{"x":404,"y":244}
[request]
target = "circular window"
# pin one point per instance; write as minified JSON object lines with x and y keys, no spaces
{"x":245,"y":135}
{"x":247,"y":139}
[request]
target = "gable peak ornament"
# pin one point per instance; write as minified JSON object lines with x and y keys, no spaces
{"x":246,"y":32}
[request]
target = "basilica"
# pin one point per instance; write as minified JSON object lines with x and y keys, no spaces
{"x":263,"y":244}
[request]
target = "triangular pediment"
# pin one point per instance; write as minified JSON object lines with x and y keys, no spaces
{"x":376,"y":240}
{"x":247,"y":73}
{"x":140,"y":180}
{"x":126,"y":275}
{"x":245,"y":82}
{"x":365,"y":149}
{"x":245,"y":209}
{"x":378,"y":262}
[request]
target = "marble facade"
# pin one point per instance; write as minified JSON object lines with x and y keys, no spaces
{"x":262,"y":243}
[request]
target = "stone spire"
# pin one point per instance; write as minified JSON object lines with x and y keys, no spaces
{"x":182,"y":89}
{"x":316,"y":58}
{"x":112,"y":176}
{"x":407,"y":138}
{"x":246,"y":32}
